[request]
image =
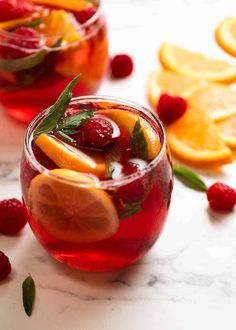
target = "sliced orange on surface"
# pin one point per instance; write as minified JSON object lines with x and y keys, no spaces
{"x":70,"y":211}
{"x":68,"y":157}
{"x":60,"y":23}
{"x":227,"y":129}
{"x":225,"y":35}
{"x":73,"y":5}
{"x":218,"y":100}
{"x":128,"y":120}
{"x":196,"y":65}
{"x":195,"y":139}
{"x":165,"y":81}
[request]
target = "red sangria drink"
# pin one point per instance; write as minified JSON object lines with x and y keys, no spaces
{"x":43,"y":45}
{"x":96,"y":181}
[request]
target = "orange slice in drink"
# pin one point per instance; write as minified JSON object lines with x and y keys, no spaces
{"x":194,"y":139}
{"x":227,"y":130}
{"x":218,"y":100}
{"x":165,"y":81}
{"x":128,"y":120}
{"x":196,"y":65}
{"x":225,"y":35}
{"x":74,"y":5}
{"x":70,"y":209}
{"x":8,"y":25}
{"x":66,"y":156}
{"x":58,"y":24}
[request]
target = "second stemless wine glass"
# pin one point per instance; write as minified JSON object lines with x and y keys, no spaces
{"x":31,"y":82}
{"x":55,"y":197}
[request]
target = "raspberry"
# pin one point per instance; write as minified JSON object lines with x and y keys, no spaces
{"x":84,"y":15}
{"x":12,"y":216}
{"x":97,"y":133}
{"x":121,"y":66}
{"x":23,"y":37}
{"x":170,"y":108}
{"x":12,"y":9}
{"x":5,"y":266}
{"x":221,"y":197}
{"x":128,"y":167}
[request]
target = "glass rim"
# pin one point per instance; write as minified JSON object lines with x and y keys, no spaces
{"x":81,"y":28}
{"x":97,"y":183}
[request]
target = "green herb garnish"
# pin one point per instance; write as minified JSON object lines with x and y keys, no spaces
{"x":34,"y":23}
{"x":130,"y":209}
{"x":28,"y":294}
{"x":69,"y":124}
{"x":24,"y":63}
{"x":139,"y":146}
{"x":189,"y":178}
{"x":57,"y":111}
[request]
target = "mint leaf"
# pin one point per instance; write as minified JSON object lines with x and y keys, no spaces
{"x":28,"y":294}
{"x":64,"y":137}
{"x":34,"y":23}
{"x":24,"y":63}
{"x":75,"y":121}
{"x":189,"y":178}
{"x":129,"y":210}
{"x":139,"y":146}
{"x":56,"y":111}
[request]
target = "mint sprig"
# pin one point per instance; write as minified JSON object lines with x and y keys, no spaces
{"x":24,"y":63}
{"x":69,"y":124}
{"x":28,"y":294}
{"x":129,"y":210}
{"x":189,"y":178}
{"x":138,"y":143}
{"x":57,"y":111}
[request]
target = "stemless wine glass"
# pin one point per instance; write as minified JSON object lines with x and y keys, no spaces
{"x":54,"y":202}
{"x":32,"y":81}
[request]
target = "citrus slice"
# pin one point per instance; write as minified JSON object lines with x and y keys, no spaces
{"x":66,"y":156}
{"x":227,"y":130}
{"x":225,"y":35}
{"x":70,"y":211}
{"x":196,"y":65}
{"x":128,"y":120}
{"x":194,"y":138}
{"x":60,"y":23}
{"x":73,"y":5}
{"x":218,"y":100}
{"x":165,"y":81}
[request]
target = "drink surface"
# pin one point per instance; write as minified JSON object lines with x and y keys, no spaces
{"x":98,"y":186}
{"x":45,"y":43}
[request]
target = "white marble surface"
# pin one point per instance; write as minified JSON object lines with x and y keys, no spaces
{"x":188,"y":280}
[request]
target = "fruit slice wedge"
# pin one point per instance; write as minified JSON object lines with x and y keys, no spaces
{"x":66,"y":156}
{"x":225,"y":35}
{"x":196,"y":65}
{"x":73,"y":5}
{"x":227,"y":130}
{"x":8,"y":25}
{"x":70,"y":211}
{"x":194,"y":139}
{"x":218,"y":100}
{"x":165,"y":81}
{"x":58,"y":24}
{"x":128,"y":120}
